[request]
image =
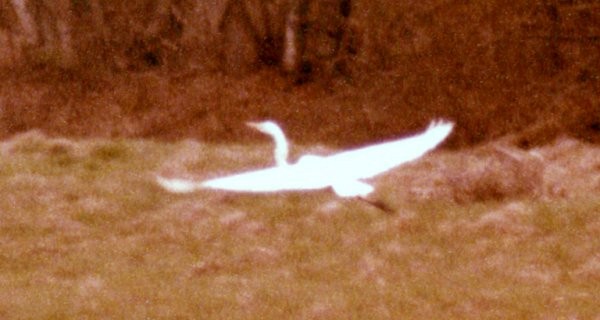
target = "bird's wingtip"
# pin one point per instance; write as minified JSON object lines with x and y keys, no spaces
{"x":440,"y":128}
{"x":441,"y":123}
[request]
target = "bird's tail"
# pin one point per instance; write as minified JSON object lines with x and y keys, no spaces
{"x":178,"y":185}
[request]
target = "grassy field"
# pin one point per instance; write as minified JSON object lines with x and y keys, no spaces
{"x":491,"y":232}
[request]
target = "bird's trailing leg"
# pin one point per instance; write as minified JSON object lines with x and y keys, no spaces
{"x":378,"y":204}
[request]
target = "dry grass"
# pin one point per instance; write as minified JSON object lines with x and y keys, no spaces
{"x":497,"y":171}
{"x":86,"y":234}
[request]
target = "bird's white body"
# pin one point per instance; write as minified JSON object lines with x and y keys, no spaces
{"x":342,"y":171}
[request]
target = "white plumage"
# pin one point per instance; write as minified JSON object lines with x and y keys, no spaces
{"x":343,"y":172}
{"x":281,"y":145}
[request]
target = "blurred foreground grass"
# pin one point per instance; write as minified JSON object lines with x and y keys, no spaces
{"x":86,"y":234}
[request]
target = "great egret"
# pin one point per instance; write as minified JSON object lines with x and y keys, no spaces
{"x":342,"y":171}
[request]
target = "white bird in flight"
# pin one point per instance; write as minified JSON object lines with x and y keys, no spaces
{"x":343,"y":172}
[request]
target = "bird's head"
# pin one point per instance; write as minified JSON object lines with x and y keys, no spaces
{"x":281,"y":145}
{"x":267,"y":127}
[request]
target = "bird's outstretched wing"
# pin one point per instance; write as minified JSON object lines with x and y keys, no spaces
{"x":278,"y":178}
{"x":369,"y":161}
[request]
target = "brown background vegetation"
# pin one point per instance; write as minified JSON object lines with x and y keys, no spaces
{"x":168,"y":69}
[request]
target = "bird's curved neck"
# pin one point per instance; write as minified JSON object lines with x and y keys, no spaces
{"x":281,"y":148}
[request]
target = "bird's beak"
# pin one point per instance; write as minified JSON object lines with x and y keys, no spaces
{"x":253,"y":124}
